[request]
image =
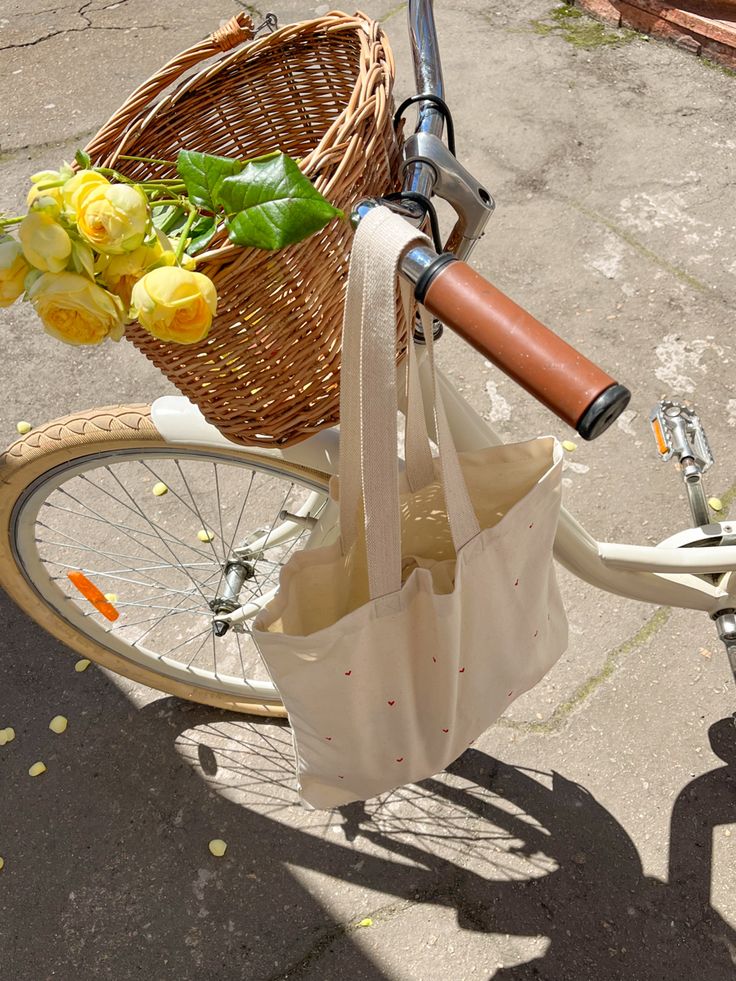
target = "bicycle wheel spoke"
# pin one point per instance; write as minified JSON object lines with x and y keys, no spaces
{"x":95,"y":551}
{"x":186,"y":571}
{"x":153,"y":524}
{"x":163,"y":617}
{"x":207,"y":630}
{"x":95,"y":516}
{"x":157,"y":617}
{"x":237,"y":525}
{"x":130,"y":568}
{"x":214,"y":651}
{"x":240,"y":655}
{"x":242,"y":511}
{"x":196,"y":653}
{"x":219,"y":508}
{"x":96,"y":574}
{"x":201,"y":519}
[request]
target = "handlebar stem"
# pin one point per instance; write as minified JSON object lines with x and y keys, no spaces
{"x":419,"y":177}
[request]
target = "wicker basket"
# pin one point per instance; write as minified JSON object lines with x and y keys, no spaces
{"x":320,"y":91}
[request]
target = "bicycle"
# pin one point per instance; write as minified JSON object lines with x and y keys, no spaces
{"x":175,"y":614}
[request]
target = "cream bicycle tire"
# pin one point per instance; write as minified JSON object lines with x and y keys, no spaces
{"x":114,"y":433}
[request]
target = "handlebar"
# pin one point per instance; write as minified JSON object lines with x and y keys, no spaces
{"x":560,"y":377}
{"x":556,"y":374}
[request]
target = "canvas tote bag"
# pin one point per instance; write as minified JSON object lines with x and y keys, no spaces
{"x":397,"y":646}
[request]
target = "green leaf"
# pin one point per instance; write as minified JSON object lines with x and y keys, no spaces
{"x":169,"y":218}
{"x":83,"y":159}
{"x":201,"y":172}
{"x":272,"y":204}
{"x":201,"y":234}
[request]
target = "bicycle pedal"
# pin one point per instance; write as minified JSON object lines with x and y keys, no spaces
{"x":679,"y":433}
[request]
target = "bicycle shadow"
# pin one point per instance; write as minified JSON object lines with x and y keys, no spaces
{"x":108,"y":874}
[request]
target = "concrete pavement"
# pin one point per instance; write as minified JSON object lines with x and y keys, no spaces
{"x":589,"y":834}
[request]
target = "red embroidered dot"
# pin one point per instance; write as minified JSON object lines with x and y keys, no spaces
{"x":434,"y":659}
{"x":340,"y":776}
{"x":348,"y":673}
{"x":510,"y":694}
{"x":536,"y":633}
{"x":531,"y":525}
{"x":399,"y":759}
{"x":328,"y":738}
{"x":516,"y":583}
{"x":461,"y":670}
{"x":445,"y":730}
{"x":392,"y":702}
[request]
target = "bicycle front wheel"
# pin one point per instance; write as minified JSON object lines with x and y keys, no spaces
{"x":125,"y":547}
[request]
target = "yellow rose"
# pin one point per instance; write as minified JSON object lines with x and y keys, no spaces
{"x":78,"y":186}
{"x":113,"y":218}
{"x":174,"y":304}
{"x":75,"y":310}
{"x":120,"y":273}
{"x":45,"y":243}
{"x":41,"y":196}
{"x":14,"y":268}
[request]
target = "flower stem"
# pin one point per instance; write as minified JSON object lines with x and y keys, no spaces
{"x":4,"y":222}
{"x":152,"y":160}
{"x":108,"y":171}
{"x":180,"y":202}
{"x":193,"y":212}
{"x":161,"y":185}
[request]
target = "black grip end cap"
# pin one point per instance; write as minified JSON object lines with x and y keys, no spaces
{"x":603,"y":411}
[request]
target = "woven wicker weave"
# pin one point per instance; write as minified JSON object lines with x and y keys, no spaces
{"x":320,"y":91}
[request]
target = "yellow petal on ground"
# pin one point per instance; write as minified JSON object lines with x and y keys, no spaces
{"x":2,"y":863}
{"x":58,"y":724}
{"x":23,"y":427}
{"x":569,"y":445}
{"x":111,"y":597}
{"x":205,"y":536}
{"x":716,"y":503}
{"x":82,"y":664}
{"x":160,"y":489}
{"x":37,"y":769}
{"x":218,"y":847}
{"x":7,"y":735}
{"x":366,"y":922}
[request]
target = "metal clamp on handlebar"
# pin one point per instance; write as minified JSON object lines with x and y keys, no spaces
{"x":454,"y":184}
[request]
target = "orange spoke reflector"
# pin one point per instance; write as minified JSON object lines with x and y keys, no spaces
{"x":93,"y":594}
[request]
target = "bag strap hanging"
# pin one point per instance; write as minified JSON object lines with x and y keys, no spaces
{"x":368,"y":406}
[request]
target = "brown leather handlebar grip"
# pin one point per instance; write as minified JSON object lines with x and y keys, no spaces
{"x":561,"y":378}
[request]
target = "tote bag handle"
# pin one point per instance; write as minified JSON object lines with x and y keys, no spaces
{"x":368,"y":407}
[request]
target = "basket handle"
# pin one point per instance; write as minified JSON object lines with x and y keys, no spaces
{"x":233,"y":32}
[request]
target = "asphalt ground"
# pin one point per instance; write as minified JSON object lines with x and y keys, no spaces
{"x":587,"y":835}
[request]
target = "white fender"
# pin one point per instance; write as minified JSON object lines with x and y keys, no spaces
{"x":179,"y":421}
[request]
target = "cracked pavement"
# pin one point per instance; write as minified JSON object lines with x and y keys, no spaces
{"x":589,"y":833}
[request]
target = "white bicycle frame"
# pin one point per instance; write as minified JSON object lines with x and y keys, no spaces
{"x":662,"y":574}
